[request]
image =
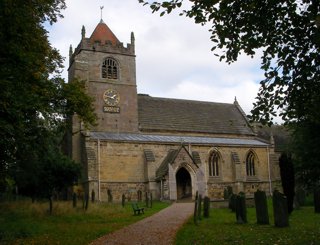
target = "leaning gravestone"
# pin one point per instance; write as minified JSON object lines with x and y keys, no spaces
{"x":260,"y":200}
{"x":280,"y":209}
{"x":241,"y":209}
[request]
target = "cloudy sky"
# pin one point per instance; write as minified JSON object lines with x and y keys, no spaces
{"x":173,"y":56}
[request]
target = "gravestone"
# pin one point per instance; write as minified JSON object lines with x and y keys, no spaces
{"x":241,"y":209}
{"x":199,"y":206}
{"x":195,"y":212}
{"x":93,"y":196}
{"x":74,"y":199}
{"x":280,"y":209}
{"x":123,"y":199}
{"x":232,"y":202}
{"x":260,"y":200}
{"x":109,"y":195}
{"x":147,"y":199}
{"x":206,"y":207}
{"x":139,"y":193}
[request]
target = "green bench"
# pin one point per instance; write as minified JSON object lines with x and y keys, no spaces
{"x":136,"y":209}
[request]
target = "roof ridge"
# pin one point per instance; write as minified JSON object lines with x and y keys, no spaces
{"x":145,"y":96}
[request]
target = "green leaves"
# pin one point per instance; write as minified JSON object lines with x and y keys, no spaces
{"x":35,"y":101}
{"x":287,"y":31}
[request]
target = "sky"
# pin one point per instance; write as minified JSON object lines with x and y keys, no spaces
{"x":173,"y":54}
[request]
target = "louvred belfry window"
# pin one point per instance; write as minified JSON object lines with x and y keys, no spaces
{"x":110,"y":69}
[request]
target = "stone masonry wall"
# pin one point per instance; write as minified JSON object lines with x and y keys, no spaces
{"x":124,"y":169}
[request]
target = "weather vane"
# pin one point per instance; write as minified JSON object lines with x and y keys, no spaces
{"x":101,"y":7}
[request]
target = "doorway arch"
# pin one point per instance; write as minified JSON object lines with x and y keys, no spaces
{"x":184,"y":186}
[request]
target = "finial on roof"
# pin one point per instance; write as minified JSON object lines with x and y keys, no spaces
{"x":70,"y":51}
{"x":132,"y":38}
{"x":271,"y":139}
{"x":83,"y":32}
{"x":235,"y":101}
{"x":101,"y":8}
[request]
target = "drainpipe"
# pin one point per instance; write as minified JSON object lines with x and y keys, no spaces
{"x":269,"y":171}
{"x":98,"y":142}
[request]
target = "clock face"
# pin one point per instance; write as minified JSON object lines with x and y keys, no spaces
{"x":111,"y":97}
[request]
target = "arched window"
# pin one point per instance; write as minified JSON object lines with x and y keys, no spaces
{"x":110,"y":69}
{"x":250,"y":164}
{"x":214,"y":164}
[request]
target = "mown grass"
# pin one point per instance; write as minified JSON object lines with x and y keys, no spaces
{"x":221,"y":228}
{"x":23,"y":222}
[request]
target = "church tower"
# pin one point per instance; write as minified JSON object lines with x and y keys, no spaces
{"x":109,"y":71}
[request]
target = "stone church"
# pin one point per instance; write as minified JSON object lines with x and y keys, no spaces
{"x":169,"y":147}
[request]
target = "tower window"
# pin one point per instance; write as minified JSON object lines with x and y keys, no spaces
{"x":214,"y":164}
{"x":110,"y":69}
{"x":250,"y":164}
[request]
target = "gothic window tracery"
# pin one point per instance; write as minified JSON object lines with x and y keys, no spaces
{"x":110,"y":69}
{"x":250,"y":164}
{"x":214,"y":164}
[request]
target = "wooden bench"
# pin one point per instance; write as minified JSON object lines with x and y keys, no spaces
{"x":136,"y":209}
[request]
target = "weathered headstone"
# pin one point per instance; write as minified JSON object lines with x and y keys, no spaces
{"x":225,"y":194}
{"x":86,"y":201}
{"x":280,"y":209}
{"x":232,"y":202}
{"x":139,"y":193}
{"x":199,"y":206}
{"x":123,"y":199}
{"x":241,"y":209}
{"x":260,"y":199}
{"x":195,"y":219}
{"x":316,"y":200}
{"x":206,"y":207}
{"x":147,"y":199}
{"x":93,"y":196}
{"x":50,"y":204}
{"x":109,"y":195}
{"x":230,"y":191}
{"x":74,"y":199}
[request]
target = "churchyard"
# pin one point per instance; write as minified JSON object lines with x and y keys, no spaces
{"x":261,"y":223}
{"x":23,"y":222}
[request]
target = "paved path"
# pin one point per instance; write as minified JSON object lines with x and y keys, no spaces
{"x":158,"y":229}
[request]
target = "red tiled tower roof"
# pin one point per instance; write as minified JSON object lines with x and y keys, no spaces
{"x":102,"y":33}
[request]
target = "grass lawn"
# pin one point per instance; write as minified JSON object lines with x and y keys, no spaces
{"x":22,"y":222}
{"x":221,"y":228}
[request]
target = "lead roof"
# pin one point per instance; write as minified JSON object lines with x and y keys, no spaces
{"x":174,"y":139}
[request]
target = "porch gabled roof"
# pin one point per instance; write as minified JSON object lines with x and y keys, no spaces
{"x":169,"y":159}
